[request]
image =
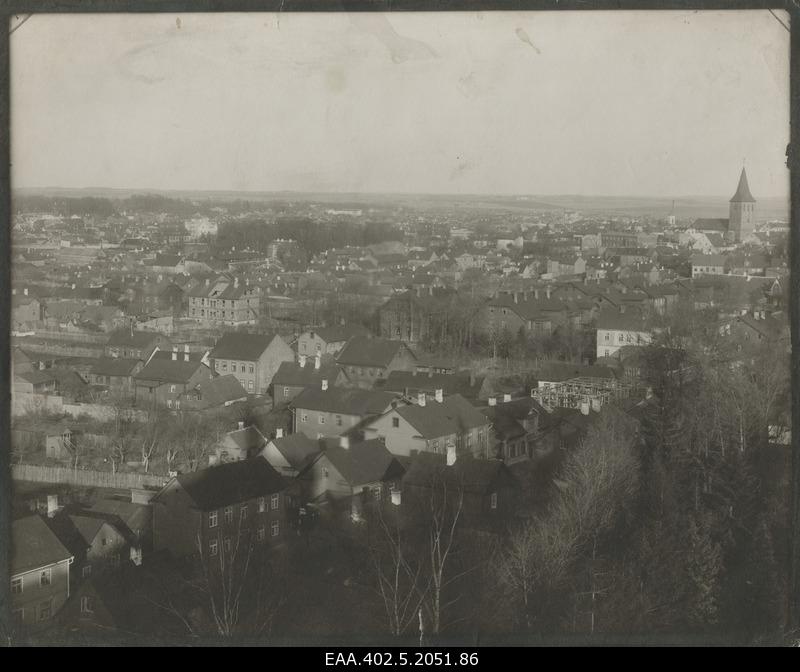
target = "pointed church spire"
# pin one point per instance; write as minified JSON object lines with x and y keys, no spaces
{"x":743,"y":194}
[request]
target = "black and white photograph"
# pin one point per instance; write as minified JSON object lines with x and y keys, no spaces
{"x":400,"y":330}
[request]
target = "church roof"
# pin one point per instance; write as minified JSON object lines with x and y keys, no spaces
{"x":743,"y":194}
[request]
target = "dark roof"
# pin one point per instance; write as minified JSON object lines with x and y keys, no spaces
{"x":627,"y":321}
{"x":473,"y":474}
{"x":711,"y":224}
{"x":248,"y":347}
{"x":375,"y":352}
{"x":231,"y":483}
{"x":291,"y":373}
{"x":338,"y":334}
{"x":217,"y":391}
{"x":560,"y":371}
{"x":458,"y":383}
{"x":36,"y":377}
{"x":344,"y":400}
{"x":34,"y":545}
{"x":165,"y":370}
{"x":743,"y":194}
{"x":114,"y":366}
{"x":364,"y":462}
{"x":88,"y":526}
{"x":248,"y":439}
{"x":453,"y":415}
{"x":296,"y":448}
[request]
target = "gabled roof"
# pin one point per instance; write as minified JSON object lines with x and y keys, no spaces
{"x":711,"y":224}
{"x":167,"y":370}
{"x":743,"y":194}
{"x":458,"y":383}
{"x":374,"y":352}
{"x":453,"y":415}
{"x":561,"y":371}
{"x":87,"y":526}
{"x":474,"y":475}
{"x":344,"y":400}
{"x":217,"y":391}
{"x":114,"y":366}
{"x":247,"y":347}
{"x":297,"y":449}
{"x":248,"y":439}
{"x":34,"y":545}
{"x":338,"y":334}
{"x":136,"y":339}
{"x":291,"y":373}
{"x":628,"y":321}
{"x":364,"y":462}
{"x":231,"y":483}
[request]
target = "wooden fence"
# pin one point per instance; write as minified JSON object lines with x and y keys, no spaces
{"x":84,"y":477}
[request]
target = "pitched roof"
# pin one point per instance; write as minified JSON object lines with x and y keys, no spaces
{"x":338,"y":334}
{"x":457,"y":383}
{"x":231,"y":483}
{"x":375,"y":352}
{"x":711,"y":224}
{"x":248,"y":439}
{"x":453,"y":415}
{"x":88,"y":526}
{"x":560,"y":371}
{"x":474,"y":475}
{"x":343,"y":400}
{"x":291,"y":373}
{"x":34,"y":545}
{"x":114,"y":366}
{"x":296,"y":448}
{"x":363,"y":462}
{"x":167,"y":370}
{"x":743,"y":194}
{"x":627,"y":321}
{"x":217,"y":391}
{"x":248,"y":347}
{"x":137,"y":339}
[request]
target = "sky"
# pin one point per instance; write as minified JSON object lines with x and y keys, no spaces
{"x":639,"y":103}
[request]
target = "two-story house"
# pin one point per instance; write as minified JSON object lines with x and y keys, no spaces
{"x":432,"y":426}
{"x":116,"y":374}
{"x":252,"y":358}
{"x":39,"y":572}
{"x":332,"y":411}
{"x":132,"y":344}
{"x":366,"y":360}
{"x":327,"y":340}
{"x":292,"y":378}
{"x":615,"y":329}
{"x":290,"y":454}
{"x":208,"y":512}
{"x":168,"y":376}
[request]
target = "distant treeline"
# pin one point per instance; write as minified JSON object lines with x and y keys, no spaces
{"x":312,"y":236}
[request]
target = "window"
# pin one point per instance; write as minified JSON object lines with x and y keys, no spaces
{"x":275,"y":528}
{"x":169,"y":403}
{"x":227,"y":544}
{"x":16,"y":586}
{"x":325,"y":472}
{"x":319,"y":347}
{"x":86,"y":571}
{"x":45,"y":610}
{"x":228,"y":514}
{"x":87,"y":605}
{"x":395,"y":422}
{"x":436,"y":445}
{"x":224,"y":366}
{"x":304,"y":417}
{"x":242,"y":368}
{"x":262,"y":504}
{"x":285,"y":391}
{"x":338,"y":420}
{"x":252,"y":369}
{"x":243,"y":513}
{"x":172,"y":388}
{"x":261,"y":534}
{"x":321,"y":419}
{"x":45,"y":577}
{"x":103,"y":541}
{"x":275,"y":501}
{"x":493,"y":502}
{"x":213,"y":547}
{"x":249,"y":384}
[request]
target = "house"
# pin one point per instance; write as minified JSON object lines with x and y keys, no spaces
{"x":207,"y":512}
{"x":615,"y":329}
{"x":709,"y":264}
{"x":345,"y":470}
{"x":327,"y":340}
{"x":116,"y":374}
{"x":26,"y":312}
{"x":290,"y":454}
{"x":331,"y":411}
{"x":367,"y":360}
{"x":132,"y":344}
{"x":487,"y":491}
{"x":167,"y":377}
{"x":518,"y":433}
{"x":252,"y":358}
{"x":408,"y":316}
{"x":215,"y":393}
{"x":467,"y":384}
{"x":431,"y":427}
{"x":224,"y":301}
{"x":238,"y":444}
{"x":133,"y":520}
{"x":759,"y":326}
{"x":34,"y":382}
{"x":39,"y":571}
{"x":106,"y":545}
{"x":292,"y":378}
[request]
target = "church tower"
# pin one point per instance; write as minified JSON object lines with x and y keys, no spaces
{"x":741,"y":222}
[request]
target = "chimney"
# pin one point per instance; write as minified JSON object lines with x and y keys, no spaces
{"x":421,"y":398}
{"x":516,"y":297}
{"x":492,"y":401}
{"x":302,"y":361}
{"x":585,"y":407}
{"x":451,"y":454}
{"x":174,"y":353}
{"x":396,"y":496}
{"x":279,"y":433}
{"x":73,"y":285}
{"x":52,"y":505}
{"x":506,"y":398}
{"x":439,"y":395}
{"x":241,"y":424}
{"x":317,"y":362}
{"x":324,"y":384}
{"x":344,"y":442}
{"x":25,"y":291}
